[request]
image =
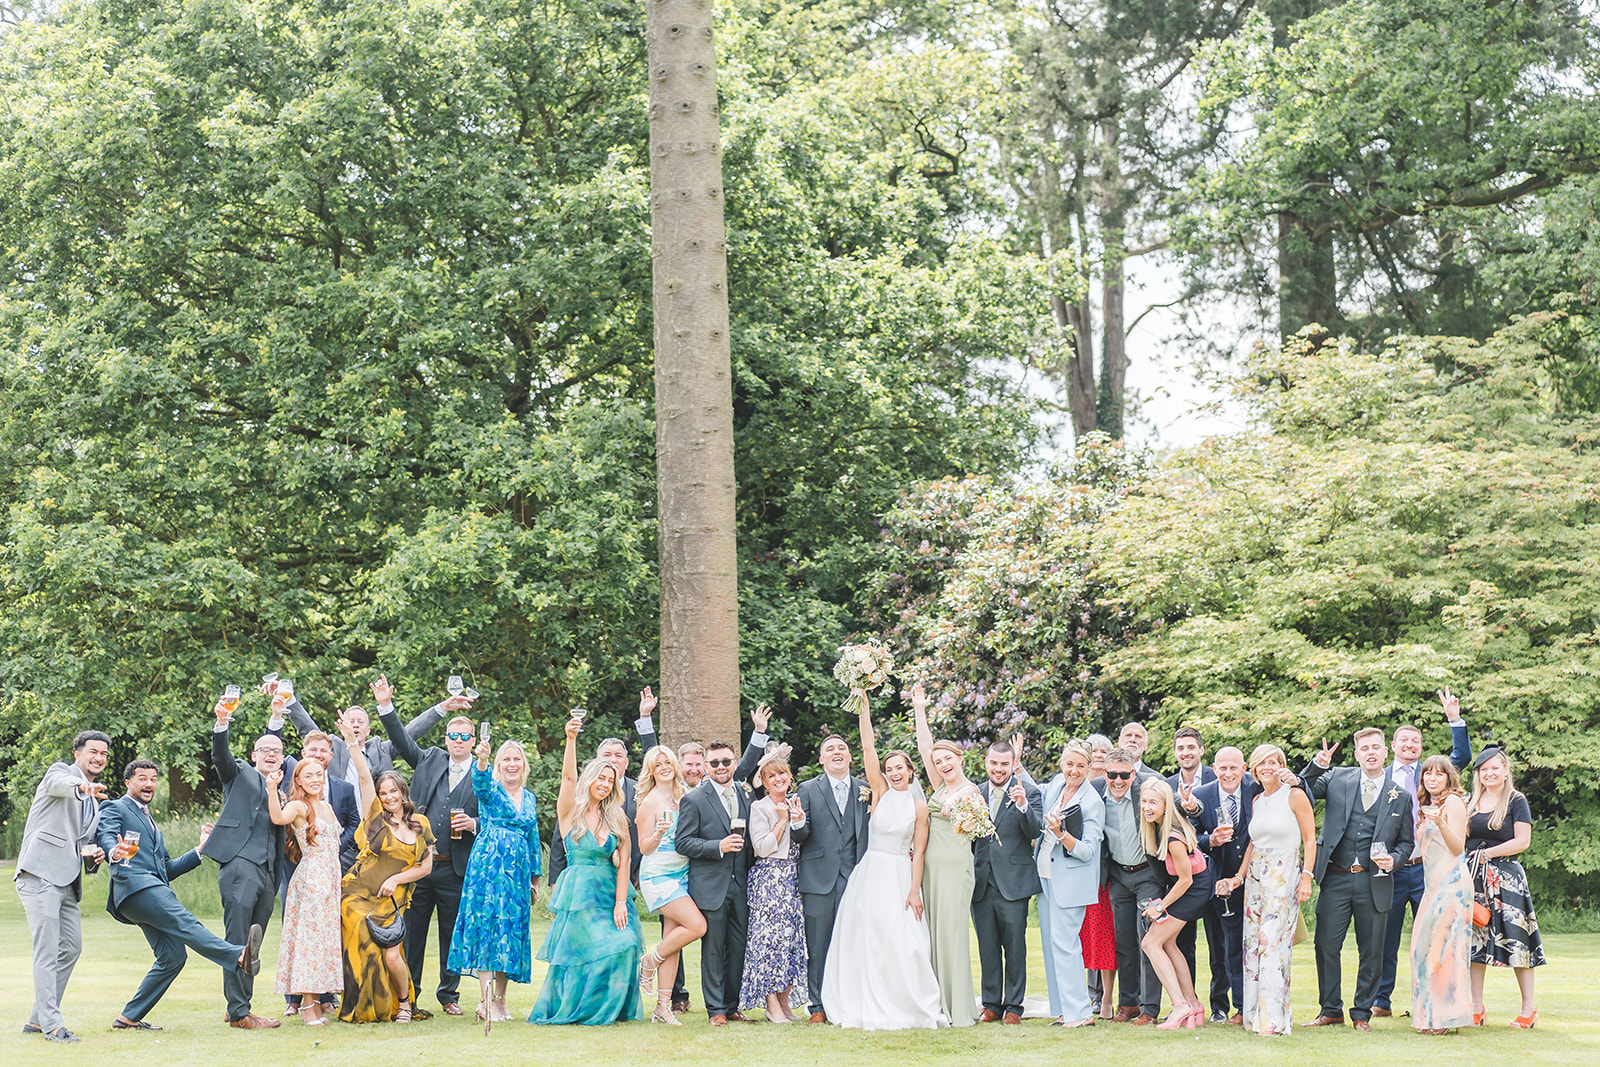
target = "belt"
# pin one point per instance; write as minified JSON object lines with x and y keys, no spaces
{"x":1132,"y":868}
{"x":1357,"y":869}
{"x":1412,"y":862}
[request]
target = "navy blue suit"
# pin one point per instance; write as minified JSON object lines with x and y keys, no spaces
{"x":141,"y":895}
{"x":1225,"y":933}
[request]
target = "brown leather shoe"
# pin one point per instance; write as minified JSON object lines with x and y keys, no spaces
{"x":818,"y":1017}
{"x":719,"y":1020}
{"x":1327,"y":1020}
{"x":1011,"y":1019}
{"x":739,"y":1017}
{"x":1362,"y":1025}
{"x":989,"y":1016}
{"x":1382,"y":1013}
{"x":1124,"y":1014}
{"x":254,"y":1022}
{"x":1236,"y":1019}
{"x":1142,"y":1019}
{"x":680,"y":1006}
{"x":452,"y":1008}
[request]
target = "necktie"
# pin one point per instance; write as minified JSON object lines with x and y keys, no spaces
{"x":841,"y":788}
{"x":1233,"y":810}
{"x":727,"y":801}
{"x":994,"y":802}
{"x":457,"y":772}
{"x":1369,"y":792}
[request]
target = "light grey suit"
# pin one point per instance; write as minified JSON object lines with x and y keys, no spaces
{"x":1070,"y":882}
{"x":49,"y":881}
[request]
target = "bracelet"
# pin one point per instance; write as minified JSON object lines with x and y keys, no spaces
{"x":1305,"y":874}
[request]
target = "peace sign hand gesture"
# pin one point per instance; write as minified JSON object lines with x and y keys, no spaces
{"x":1324,"y":757}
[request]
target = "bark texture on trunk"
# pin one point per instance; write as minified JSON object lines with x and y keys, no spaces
{"x":694,"y":390}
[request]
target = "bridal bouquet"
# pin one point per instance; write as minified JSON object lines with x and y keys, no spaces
{"x":864,"y":666}
{"x":970,"y":817}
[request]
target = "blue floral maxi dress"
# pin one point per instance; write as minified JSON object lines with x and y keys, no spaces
{"x":775,"y":952}
{"x":593,"y":975}
{"x":492,"y":924}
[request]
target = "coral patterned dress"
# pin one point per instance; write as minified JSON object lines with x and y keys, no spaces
{"x":309,"y":959}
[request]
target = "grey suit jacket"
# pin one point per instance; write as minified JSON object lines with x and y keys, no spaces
{"x":245,"y":823}
{"x":59,"y":821}
{"x":1007,"y":858}
{"x":702,"y":824}
{"x":826,"y":858}
{"x":379,"y":751}
{"x":1341,"y":788}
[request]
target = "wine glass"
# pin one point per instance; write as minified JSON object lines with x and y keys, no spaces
{"x":454,"y":686}
{"x":130,"y":839}
{"x":286,"y":688}
{"x":470,"y":693}
{"x":1378,"y":851}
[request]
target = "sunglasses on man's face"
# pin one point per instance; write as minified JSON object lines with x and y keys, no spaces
{"x":719,"y":763}
{"x":1119,"y":775}
{"x":453,"y":736}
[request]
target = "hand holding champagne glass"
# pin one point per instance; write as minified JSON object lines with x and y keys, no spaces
{"x":128,"y":846}
{"x":230,"y":701}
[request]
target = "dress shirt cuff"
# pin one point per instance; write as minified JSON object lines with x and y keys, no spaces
{"x":759,"y":738}
{"x":219,"y":728}
{"x":275,"y":723}
{"x":1455,"y":722}
{"x":644,"y":726}
{"x":384,"y":709}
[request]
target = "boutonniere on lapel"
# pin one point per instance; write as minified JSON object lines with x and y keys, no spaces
{"x":1394,"y":794}
{"x":864,"y":794}
{"x":746,"y":787}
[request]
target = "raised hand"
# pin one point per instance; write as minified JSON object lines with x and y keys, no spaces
{"x":1451,"y":704}
{"x":482,"y":751}
{"x":382,"y":691}
{"x":919,"y":698}
{"x":1324,"y":756}
{"x":647,"y":703}
{"x":1018,"y":795}
{"x":221,"y":713}
{"x":760,"y":717}
{"x":346,"y":729}
{"x":573,"y":728}
{"x":457,"y":703}
{"x":275,"y":778}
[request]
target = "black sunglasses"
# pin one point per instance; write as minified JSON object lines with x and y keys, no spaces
{"x":1119,"y":775}
{"x":453,"y":736}
{"x":719,"y":763}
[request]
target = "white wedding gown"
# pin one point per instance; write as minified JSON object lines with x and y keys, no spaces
{"x":879,"y":974}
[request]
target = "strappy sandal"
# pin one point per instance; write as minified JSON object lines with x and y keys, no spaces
{"x":647,"y":972}
{"x":403,"y":1015}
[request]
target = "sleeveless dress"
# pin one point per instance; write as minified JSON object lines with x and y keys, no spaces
{"x":491,"y":931}
{"x":1441,"y":938}
{"x":593,"y":974}
{"x":879,"y":972}
{"x":368,"y":995}
{"x":664,"y":874}
{"x":308,"y":959}
{"x":1270,"y":912}
{"x":947,"y":882}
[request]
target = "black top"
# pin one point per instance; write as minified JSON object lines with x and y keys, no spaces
{"x":1479,"y":835}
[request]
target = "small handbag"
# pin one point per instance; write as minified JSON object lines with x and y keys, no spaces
{"x":1480,"y":910}
{"x":390,"y":934}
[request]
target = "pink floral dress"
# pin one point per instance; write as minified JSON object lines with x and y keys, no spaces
{"x":309,"y":956}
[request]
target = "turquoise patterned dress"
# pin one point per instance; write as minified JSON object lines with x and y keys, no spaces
{"x":593,"y":975}
{"x":492,"y":925}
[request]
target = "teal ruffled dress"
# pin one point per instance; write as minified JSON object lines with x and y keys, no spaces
{"x":593,"y":975}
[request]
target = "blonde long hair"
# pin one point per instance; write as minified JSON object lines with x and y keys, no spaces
{"x":611,"y":813}
{"x":1153,"y":836}
{"x":647,"y":773}
{"x":501,"y":751}
{"x":1497,"y":814}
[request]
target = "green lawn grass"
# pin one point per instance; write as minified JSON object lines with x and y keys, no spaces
{"x":116,"y":956}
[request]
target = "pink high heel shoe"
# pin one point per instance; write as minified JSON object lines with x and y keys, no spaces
{"x":1180,"y":1017}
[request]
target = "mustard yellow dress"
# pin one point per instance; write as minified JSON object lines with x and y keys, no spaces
{"x":368,"y":995}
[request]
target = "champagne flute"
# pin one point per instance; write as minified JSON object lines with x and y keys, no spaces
{"x":454,"y":686}
{"x":1225,"y":818}
{"x":483,"y":731}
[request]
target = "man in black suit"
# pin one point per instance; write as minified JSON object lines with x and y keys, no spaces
{"x":141,"y":895}
{"x":1222,"y":823}
{"x":441,"y":789}
{"x":1129,"y":880}
{"x":1364,"y":806}
{"x":719,"y":862}
{"x":249,"y":848}
{"x":1189,"y":749}
{"x":1005,"y":880}
{"x":831,"y":840}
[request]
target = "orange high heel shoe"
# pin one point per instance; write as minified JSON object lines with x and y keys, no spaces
{"x":1525,"y":1022}
{"x":1479,"y":1015}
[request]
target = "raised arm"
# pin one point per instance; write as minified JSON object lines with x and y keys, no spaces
{"x":567,"y":798}
{"x":869,"y":746}
{"x":401,"y":743}
{"x":919,"y":713}
{"x":757,"y":746}
{"x":280,"y":813}
{"x":418,"y":728}
{"x":1460,"y":740}
{"x":221,"y":755}
{"x":358,"y":760}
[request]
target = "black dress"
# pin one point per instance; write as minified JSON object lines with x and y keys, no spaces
{"x":1192,"y":905}
{"x":1512,"y":937}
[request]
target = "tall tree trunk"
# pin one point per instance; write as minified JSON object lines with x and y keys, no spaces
{"x":694,"y":390}
{"x":1113,"y":223}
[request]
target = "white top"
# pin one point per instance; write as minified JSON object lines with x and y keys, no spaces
{"x":1272,"y":821}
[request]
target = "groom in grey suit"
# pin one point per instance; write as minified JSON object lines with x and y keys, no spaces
{"x":49,"y":875}
{"x":831,"y":840}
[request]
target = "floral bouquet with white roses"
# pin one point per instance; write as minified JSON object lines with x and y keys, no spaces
{"x":865,"y":666}
{"x":969,"y":815}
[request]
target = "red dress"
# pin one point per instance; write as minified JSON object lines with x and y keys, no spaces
{"x":1099,"y":935}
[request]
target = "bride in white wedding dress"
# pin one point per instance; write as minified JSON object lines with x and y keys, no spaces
{"x":879,"y":974}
